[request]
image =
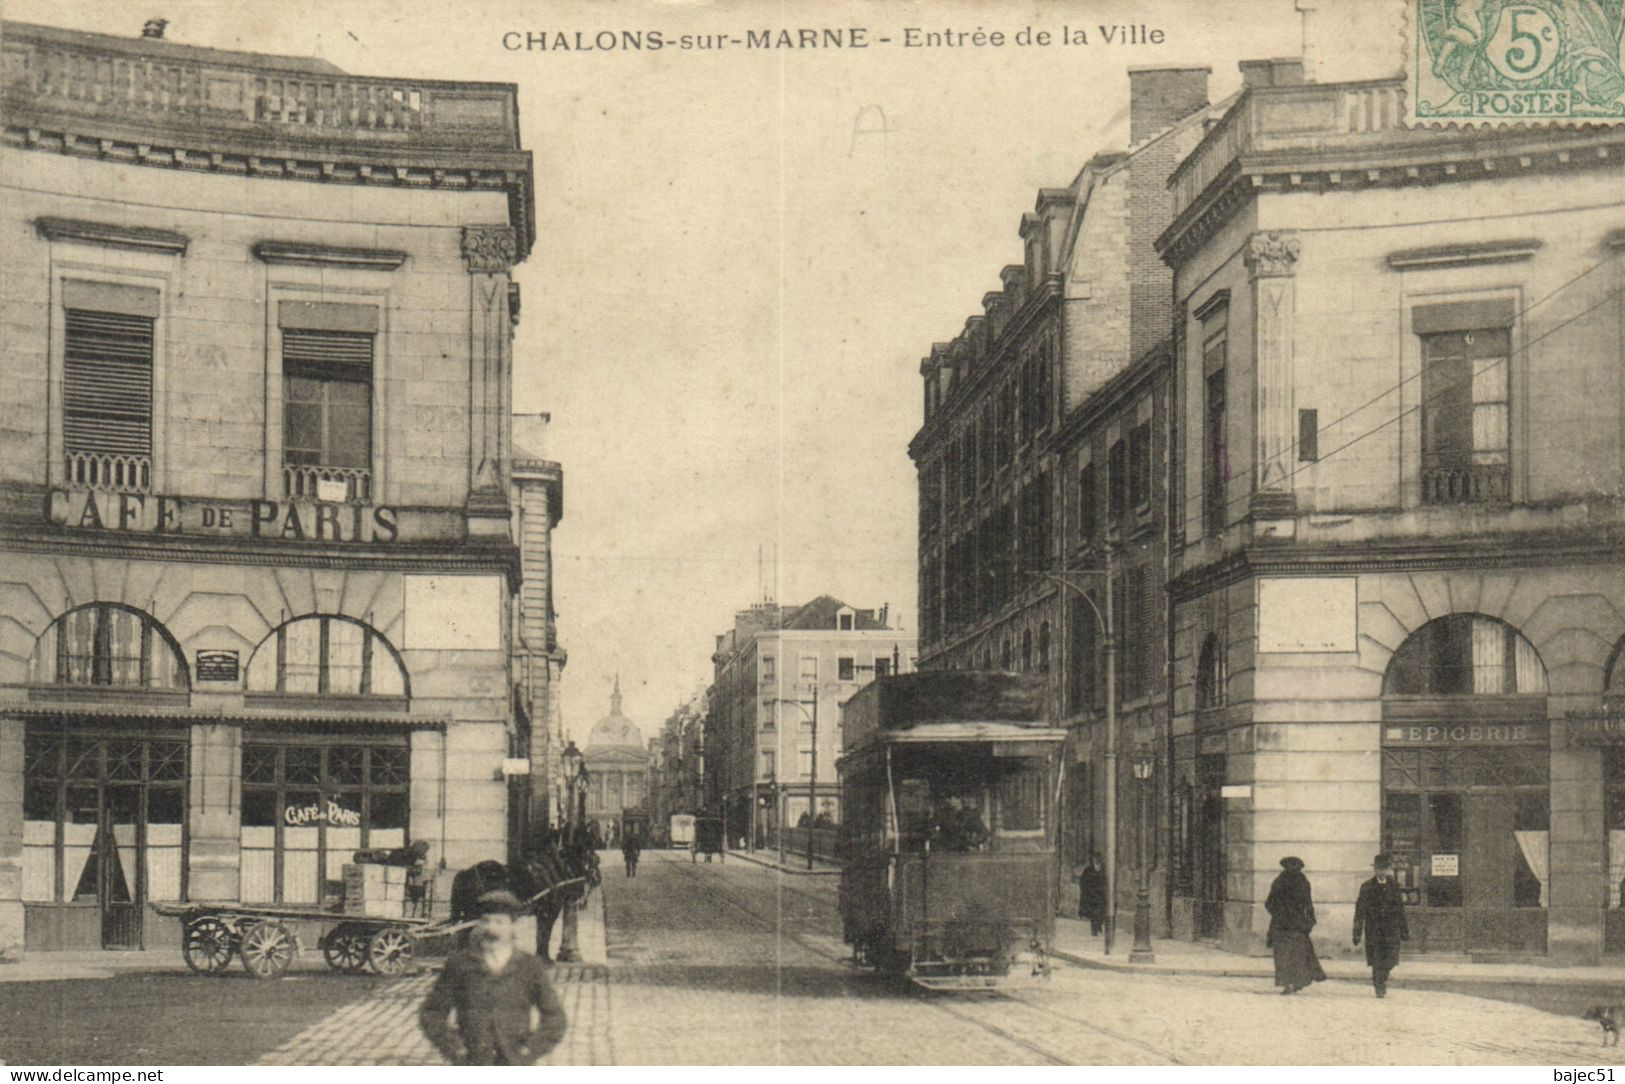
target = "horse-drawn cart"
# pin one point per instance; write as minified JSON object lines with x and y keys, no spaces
{"x":266,"y":939}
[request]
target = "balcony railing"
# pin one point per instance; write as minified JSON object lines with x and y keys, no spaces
{"x":1308,"y":117}
{"x":109,"y":77}
{"x":115,"y":473}
{"x":339,"y":485}
{"x":1489,"y":484}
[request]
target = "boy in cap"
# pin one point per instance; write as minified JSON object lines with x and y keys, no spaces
{"x":1379,"y":914}
{"x":507,"y":1013}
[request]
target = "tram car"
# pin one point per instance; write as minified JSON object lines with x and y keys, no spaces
{"x":949,"y":789}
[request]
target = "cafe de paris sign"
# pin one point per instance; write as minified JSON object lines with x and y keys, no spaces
{"x":285,"y":520}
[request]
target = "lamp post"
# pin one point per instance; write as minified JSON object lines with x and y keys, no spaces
{"x":1104,"y":620}
{"x":1145,"y":766}
{"x":574,"y":772}
{"x":812,"y":782}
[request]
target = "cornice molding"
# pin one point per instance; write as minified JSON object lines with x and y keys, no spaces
{"x":110,"y":235}
{"x":366,"y":259}
{"x":1487,"y":252}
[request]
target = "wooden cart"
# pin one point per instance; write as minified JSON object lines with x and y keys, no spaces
{"x":266,"y":939}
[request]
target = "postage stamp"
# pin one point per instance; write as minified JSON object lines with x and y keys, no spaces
{"x":1516,"y":61}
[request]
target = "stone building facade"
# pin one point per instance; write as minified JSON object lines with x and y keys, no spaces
{"x":260,"y":585}
{"x":773,"y":732}
{"x":1397,"y":584}
{"x":617,"y":770}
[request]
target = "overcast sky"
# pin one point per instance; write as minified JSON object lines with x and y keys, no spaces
{"x":737,"y":272}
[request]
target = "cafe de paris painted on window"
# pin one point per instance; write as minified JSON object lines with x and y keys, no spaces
{"x":287,"y":520}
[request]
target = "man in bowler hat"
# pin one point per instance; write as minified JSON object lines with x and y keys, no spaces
{"x":507,"y":1013}
{"x":1379,"y":915}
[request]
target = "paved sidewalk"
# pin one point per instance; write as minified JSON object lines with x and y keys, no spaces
{"x":1074,"y":944}
{"x":96,"y":964}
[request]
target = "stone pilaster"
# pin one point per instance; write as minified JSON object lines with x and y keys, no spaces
{"x":488,"y":252}
{"x":11,"y":836}
{"x":214,"y":850}
{"x":1271,"y":260}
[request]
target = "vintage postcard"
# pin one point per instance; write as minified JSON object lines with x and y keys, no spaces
{"x":734,"y":533}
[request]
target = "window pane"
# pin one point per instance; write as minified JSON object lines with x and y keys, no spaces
{"x":302,"y":764}
{"x":39,"y":801}
{"x":301,"y":666}
{"x":388,"y":767}
{"x":1490,"y":381}
{"x":1444,"y":815}
{"x":302,"y":432}
{"x":259,"y":808}
{"x":165,"y":805}
{"x":386,"y":810}
{"x":1490,"y":433}
{"x":259,"y":764}
{"x":344,"y":764}
{"x":344,"y":656}
{"x":349,"y":436}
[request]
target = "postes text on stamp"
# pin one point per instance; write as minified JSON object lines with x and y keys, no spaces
{"x":1516,"y":61}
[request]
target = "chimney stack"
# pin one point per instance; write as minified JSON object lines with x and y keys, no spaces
{"x":1159,"y":96}
{"x":1279,"y":72}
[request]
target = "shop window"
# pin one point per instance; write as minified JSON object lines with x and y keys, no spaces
{"x":326,"y":656}
{"x":306,"y":808}
{"x":1465,"y":655}
{"x":1021,"y":802}
{"x":1531,"y":831}
{"x":109,"y":644}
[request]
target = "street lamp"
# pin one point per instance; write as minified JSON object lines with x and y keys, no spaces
{"x":1108,"y":634}
{"x":812,"y":782}
{"x":1145,"y":767}
{"x":575,"y":774}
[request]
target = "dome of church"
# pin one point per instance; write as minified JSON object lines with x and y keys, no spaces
{"x":615,"y":731}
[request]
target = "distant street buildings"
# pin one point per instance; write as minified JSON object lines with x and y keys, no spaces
{"x":773,"y":734}
{"x":617,"y":770}
{"x":677,"y":764}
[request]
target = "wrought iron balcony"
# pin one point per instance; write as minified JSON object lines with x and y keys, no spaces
{"x":1485,"y":484}
{"x":104,"y":471}
{"x":349,"y":485}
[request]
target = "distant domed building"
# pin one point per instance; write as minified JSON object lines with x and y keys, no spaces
{"x":617,"y":769}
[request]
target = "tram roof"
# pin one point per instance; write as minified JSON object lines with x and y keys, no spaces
{"x":948,"y":705}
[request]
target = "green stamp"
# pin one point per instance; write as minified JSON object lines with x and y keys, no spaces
{"x":1512,"y":61}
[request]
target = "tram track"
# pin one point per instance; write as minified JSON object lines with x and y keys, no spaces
{"x":943,"y":1003}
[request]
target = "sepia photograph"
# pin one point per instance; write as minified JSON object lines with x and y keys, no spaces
{"x":1095,"y":536}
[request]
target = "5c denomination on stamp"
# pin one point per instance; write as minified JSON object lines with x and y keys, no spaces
{"x":1512,"y":61}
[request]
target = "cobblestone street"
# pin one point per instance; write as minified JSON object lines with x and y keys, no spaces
{"x":734,"y":963}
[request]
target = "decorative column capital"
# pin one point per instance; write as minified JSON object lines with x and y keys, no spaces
{"x":1271,"y":254}
{"x":490,"y":249}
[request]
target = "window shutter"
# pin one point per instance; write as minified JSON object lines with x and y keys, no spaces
{"x":107,"y":383}
{"x":334,"y":355}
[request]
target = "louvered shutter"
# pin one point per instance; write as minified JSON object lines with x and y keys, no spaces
{"x":107,"y":383}
{"x":327,"y":355}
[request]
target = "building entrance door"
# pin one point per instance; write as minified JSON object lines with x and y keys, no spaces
{"x":1210,"y":891}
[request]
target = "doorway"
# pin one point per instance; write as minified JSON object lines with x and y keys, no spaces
{"x":1209,"y":836}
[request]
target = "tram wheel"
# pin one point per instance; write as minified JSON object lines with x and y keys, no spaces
{"x":389,"y":951}
{"x":207,"y":945}
{"x":267,"y":950}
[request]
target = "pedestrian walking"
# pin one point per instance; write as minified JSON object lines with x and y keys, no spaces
{"x":629,"y":853}
{"x":1092,"y":893}
{"x":1292,"y":915}
{"x":1379,"y":916}
{"x":507,"y":1013}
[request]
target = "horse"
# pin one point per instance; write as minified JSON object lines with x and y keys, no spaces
{"x":550,"y":878}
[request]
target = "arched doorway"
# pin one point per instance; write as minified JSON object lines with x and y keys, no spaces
{"x":1466,"y":785}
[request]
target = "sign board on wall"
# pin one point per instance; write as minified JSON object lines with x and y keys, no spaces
{"x":454,"y":613}
{"x":217,"y":666}
{"x":1316,"y":614}
{"x":1446,"y":865}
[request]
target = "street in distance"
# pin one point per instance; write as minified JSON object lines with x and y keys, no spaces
{"x":856,"y":37}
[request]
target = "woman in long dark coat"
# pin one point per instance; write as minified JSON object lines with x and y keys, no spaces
{"x":1379,"y":914}
{"x":1292,"y":916}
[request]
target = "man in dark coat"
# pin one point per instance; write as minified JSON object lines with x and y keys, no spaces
{"x":1292,"y":916}
{"x":1379,"y":915}
{"x":496,"y":993}
{"x":1092,"y":893}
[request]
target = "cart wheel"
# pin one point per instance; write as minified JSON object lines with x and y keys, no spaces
{"x":389,"y":951}
{"x":267,"y":950}
{"x":344,"y":950}
{"x":207,"y":945}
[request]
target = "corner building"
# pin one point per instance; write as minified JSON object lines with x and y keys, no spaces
{"x":258,"y":577}
{"x":1397,"y":586}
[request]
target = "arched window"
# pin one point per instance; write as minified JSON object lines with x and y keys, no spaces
{"x":1043,"y":648}
{"x":326,"y":655}
{"x":1465,"y":655}
{"x":1210,"y":677}
{"x":105,"y":643}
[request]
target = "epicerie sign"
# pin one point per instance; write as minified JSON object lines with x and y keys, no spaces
{"x":1466,"y":734}
{"x":293,"y":521}
{"x":315,"y":813}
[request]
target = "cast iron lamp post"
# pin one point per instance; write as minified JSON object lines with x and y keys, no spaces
{"x":574,"y":770}
{"x":1145,"y":766}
